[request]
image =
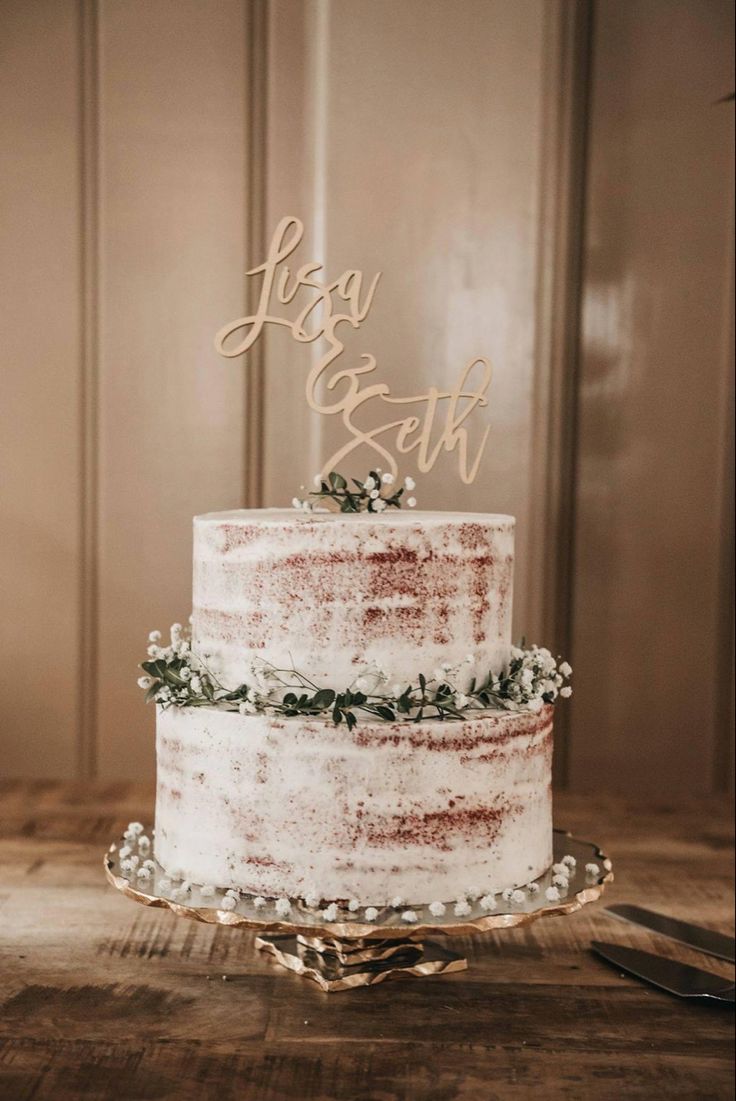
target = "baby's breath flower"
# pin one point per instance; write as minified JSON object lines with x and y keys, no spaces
{"x":412,"y":502}
{"x":409,"y":483}
{"x":388,"y":478}
{"x":155,"y":636}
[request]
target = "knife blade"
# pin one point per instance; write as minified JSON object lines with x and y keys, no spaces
{"x":704,"y":940}
{"x":675,"y":978}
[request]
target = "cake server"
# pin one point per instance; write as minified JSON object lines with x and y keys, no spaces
{"x":675,"y":978}
{"x":704,"y":940}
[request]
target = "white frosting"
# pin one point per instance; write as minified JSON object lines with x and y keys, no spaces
{"x":405,"y":811}
{"x":277,"y":806}
{"x":330,"y":594}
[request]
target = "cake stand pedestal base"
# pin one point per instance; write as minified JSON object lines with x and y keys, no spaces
{"x":342,"y":964}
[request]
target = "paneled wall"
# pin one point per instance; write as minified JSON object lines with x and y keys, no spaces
{"x":508,"y":167}
{"x":124,"y":195}
{"x":652,"y":640}
{"x":42,"y":364}
{"x":409,"y":142}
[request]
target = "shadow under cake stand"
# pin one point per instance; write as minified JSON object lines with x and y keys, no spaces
{"x":350,"y":951}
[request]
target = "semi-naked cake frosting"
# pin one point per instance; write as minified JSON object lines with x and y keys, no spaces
{"x":298,"y":806}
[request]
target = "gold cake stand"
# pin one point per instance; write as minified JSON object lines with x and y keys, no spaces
{"x":351,"y":951}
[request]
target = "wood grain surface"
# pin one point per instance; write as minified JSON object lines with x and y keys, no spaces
{"x":100,"y":998}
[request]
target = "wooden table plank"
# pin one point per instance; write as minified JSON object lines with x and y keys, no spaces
{"x":101,"y":998}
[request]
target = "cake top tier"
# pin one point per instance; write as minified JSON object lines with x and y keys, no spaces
{"x":333,"y":594}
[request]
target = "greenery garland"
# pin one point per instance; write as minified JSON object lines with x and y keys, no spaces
{"x":176,"y":677}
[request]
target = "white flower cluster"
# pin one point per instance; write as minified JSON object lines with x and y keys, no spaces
{"x":374,"y":494}
{"x":182,"y":676}
{"x":179,"y":645}
{"x":370,"y":680}
{"x":533,"y":678}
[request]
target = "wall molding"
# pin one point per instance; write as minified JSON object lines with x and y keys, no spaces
{"x":565,"y":97}
{"x":723,"y":711}
{"x":255,"y":145}
{"x":88,"y":387}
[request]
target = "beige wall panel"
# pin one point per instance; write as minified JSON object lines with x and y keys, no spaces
{"x":655,"y":335}
{"x":172,"y":117}
{"x":39,"y":410}
{"x":406,"y":136}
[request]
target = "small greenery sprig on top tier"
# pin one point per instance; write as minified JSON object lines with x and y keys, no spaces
{"x":176,"y":677}
{"x":375,"y":493}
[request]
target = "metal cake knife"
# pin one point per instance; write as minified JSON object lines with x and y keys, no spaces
{"x":704,"y":940}
{"x":675,"y":978}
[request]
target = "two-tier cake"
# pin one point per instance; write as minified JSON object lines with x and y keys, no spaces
{"x":434,"y":784}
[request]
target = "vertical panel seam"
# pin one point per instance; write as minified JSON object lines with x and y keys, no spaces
{"x":318,"y":91}
{"x":88,"y":388}
{"x":566,"y":92}
{"x":255,"y":149}
{"x":723,"y":710}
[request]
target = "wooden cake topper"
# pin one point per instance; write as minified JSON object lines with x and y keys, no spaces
{"x":346,"y":390}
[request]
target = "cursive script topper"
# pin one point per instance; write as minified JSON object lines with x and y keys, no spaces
{"x":438,"y":422}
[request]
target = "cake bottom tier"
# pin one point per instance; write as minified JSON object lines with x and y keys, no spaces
{"x":296,"y":807}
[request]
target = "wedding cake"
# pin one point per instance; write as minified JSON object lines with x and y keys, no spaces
{"x":349,"y":720}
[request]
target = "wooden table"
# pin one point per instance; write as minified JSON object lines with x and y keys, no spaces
{"x":101,"y":998}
